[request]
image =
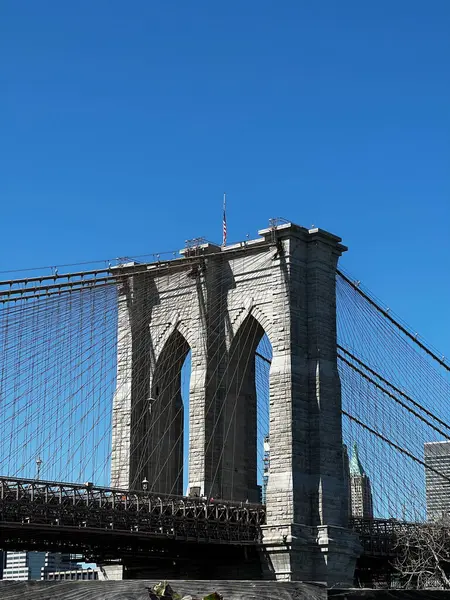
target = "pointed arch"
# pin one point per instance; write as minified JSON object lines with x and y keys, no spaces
{"x":239,"y":430}
{"x":175,"y":324}
{"x":266,"y":323}
{"x":258,"y":313}
{"x":162,"y":424}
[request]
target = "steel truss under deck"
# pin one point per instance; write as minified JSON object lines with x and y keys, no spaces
{"x":102,"y":521}
{"x":65,"y":505}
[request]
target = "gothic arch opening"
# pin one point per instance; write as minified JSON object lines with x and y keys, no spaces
{"x":263,"y":361}
{"x":186,"y":370}
{"x":245,"y":413}
{"x":161,"y":462}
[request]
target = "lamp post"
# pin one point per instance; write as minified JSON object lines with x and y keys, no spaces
{"x":145,"y":484}
{"x":38,"y":467}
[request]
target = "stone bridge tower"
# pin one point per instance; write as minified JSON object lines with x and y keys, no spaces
{"x":218,"y":303}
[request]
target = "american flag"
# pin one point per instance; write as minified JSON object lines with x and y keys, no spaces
{"x":224,"y":222}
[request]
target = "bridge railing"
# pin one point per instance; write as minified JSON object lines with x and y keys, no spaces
{"x":380,"y":536}
{"x":61,"y":504}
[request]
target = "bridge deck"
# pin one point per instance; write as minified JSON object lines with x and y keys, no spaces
{"x":35,"y":511}
{"x":50,"y":505}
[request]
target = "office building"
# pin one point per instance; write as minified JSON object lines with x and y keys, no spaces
{"x":24,"y":566}
{"x":73,"y":575}
{"x":437,"y":479}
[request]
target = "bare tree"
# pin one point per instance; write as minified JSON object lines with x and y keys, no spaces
{"x":423,"y":554}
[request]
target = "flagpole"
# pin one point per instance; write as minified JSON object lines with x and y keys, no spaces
{"x":224,"y":221}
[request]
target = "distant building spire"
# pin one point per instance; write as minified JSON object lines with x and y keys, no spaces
{"x":360,"y":488}
{"x":356,"y":468}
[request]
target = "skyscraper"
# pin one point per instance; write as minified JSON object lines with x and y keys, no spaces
{"x":346,"y":469}
{"x":360,"y":488}
{"x":437,"y":456}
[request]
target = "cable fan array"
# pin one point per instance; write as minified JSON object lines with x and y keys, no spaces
{"x":395,"y":394}
{"x":58,"y":377}
{"x":57,"y":374}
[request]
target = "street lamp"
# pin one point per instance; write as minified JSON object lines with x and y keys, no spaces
{"x":145,"y":484}
{"x":38,"y":466}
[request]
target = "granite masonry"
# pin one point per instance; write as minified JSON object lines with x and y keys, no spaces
{"x":218,"y":303}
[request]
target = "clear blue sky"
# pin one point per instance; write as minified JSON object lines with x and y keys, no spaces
{"x":122,"y":123}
